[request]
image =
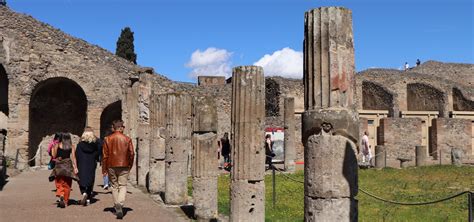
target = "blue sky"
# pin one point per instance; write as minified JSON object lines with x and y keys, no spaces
{"x":182,"y":39}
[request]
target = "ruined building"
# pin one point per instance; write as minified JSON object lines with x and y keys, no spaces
{"x":51,"y":81}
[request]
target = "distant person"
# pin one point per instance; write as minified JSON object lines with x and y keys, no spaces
{"x":87,"y":154}
{"x":225,"y":149}
{"x":269,"y":150}
{"x":117,"y":160}
{"x":100,"y":142}
{"x":366,"y":154}
{"x":406,"y":66}
{"x":418,"y":62}
{"x":65,"y":169}
{"x":52,"y":143}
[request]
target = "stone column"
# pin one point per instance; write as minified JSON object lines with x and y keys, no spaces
{"x":132,"y":124}
{"x":247,"y":189}
{"x":380,"y":157}
{"x":289,"y":121}
{"x":330,"y":123}
{"x":178,"y":145}
{"x":204,"y":159}
{"x":143,"y":153}
{"x":156,"y":178}
{"x":420,"y":155}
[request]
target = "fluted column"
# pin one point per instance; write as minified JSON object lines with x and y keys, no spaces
{"x":132,"y":124}
{"x":156,"y":179}
{"x":178,"y":145}
{"x":289,"y":121}
{"x":248,"y":155}
{"x":204,"y":159}
{"x":330,"y":122}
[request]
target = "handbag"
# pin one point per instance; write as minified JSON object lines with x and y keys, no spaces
{"x":51,"y":164}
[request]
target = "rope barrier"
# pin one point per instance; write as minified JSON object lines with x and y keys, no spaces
{"x":416,"y":203}
{"x":34,"y":157}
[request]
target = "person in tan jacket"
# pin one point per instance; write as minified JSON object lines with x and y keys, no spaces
{"x":117,"y":160}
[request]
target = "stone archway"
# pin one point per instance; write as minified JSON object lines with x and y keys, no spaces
{"x":375,"y":97}
{"x":3,"y":91}
{"x":56,"y":105}
{"x":112,"y":112}
{"x":423,"y":97}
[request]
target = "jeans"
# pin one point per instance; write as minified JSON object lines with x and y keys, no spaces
{"x":106,"y":181}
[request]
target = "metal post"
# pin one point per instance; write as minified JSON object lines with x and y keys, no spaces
{"x":469,"y":202}
{"x":16,"y":158}
{"x":273,"y":184}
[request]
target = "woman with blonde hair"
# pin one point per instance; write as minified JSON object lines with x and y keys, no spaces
{"x":87,"y":155}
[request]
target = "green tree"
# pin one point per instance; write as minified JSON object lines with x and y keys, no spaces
{"x":125,"y":47}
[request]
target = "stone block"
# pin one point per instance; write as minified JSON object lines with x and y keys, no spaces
{"x":344,"y":122}
{"x":211,"y":80}
{"x":204,"y":158}
{"x":204,"y":114}
{"x":177,"y":150}
{"x":205,"y":198}
{"x":247,"y":200}
{"x":156,"y":176}
{"x":400,"y":136}
{"x":157,"y":149}
{"x":289,"y":122}
{"x":421,"y":155}
{"x":333,"y":209}
{"x":176,"y":189}
{"x":380,"y":157}
{"x":330,"y":167}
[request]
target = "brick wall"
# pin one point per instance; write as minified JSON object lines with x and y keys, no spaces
{"x":447,"y":134}
{"x":400,"y":136}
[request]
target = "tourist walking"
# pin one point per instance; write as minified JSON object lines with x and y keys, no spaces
{"x":366,"y":152}
{"x":406,"y":66}
{"x":117,"y":160}
{"x":269,"y":150}
{"x":65,"y":169}
{"x":225,"y":150}
{"x":87,"y":156}
{"x":418,"y":62}
{"x":51,"y":144}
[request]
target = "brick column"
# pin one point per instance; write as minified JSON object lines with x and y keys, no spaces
{"x":330,"y":123}
{"x":247,"y":194}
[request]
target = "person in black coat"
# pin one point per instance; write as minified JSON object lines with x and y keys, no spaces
{"x":87,"y":155}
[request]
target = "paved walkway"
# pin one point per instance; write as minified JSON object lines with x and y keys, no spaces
{"x":30,"y":197}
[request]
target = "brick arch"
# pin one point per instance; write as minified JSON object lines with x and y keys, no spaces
{"x":425,"y":97}
{"x":34,"y":81}
{"x":377,"y":97}
{"x":56,"y":105}
{"x":110,"y":113}
{"x":460,"y":102}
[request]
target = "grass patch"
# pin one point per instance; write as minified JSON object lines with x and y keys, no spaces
{"x":406,"y":185}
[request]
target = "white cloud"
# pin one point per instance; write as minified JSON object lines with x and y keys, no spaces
{"x":210,"y":62}
{"x":285,"y":62}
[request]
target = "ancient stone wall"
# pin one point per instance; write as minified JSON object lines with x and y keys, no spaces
{"x":400,"y":137}
{"x":447,"y":134}
{"x":211,"y":80}
{"x":422,"y":97}
{"x":375,"y":97}
{"x":33,"y":54}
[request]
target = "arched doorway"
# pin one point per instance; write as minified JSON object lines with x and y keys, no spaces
{"x":112,"y":112}
{"x":56,"y":105}
{"x":375,"y":97}
{"x":3,"y":91}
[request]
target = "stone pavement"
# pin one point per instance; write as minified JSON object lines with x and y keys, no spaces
{"x":30,"y":197}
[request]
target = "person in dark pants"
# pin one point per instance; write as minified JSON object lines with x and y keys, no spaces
{"x":269,"y":150}
{"x":225,"y":150}
{"x":87,"y":155}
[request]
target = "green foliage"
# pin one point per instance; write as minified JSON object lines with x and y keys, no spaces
{"x":407,"y":185}
{"x":125,"y":47}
